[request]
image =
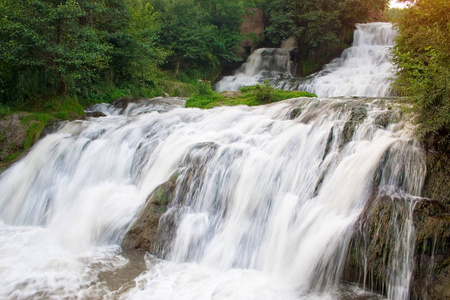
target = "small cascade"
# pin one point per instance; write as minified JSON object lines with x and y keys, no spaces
{"x":261,"y":64}
{"x":403,"y":255}
{"x":364,"y":69}
{"x":265,"y":201}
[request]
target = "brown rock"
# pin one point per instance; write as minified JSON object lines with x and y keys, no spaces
{"x":146,"y":233}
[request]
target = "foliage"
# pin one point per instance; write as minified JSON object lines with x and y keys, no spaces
{"x":202,"y":35}
{"x":70,"y":48}
{"x":393,"y":14}
{"x":264,"y":93}
{"x":422,"y":55}
{"x":4,"y":111}
{"x":248,"y":95}
{"x":142,"y":53}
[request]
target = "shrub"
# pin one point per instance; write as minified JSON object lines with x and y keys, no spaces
{"x":264,"y":93}
{"x":422,"y":56}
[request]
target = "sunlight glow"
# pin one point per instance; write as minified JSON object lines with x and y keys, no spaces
{"x":396,"y":4}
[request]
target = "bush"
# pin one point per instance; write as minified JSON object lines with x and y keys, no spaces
{"x":264,"y":93}
{"x":422,"y":56}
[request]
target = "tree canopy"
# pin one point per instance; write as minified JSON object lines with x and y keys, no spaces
{"x":52,"y":46}
{"x":83,"y":47}
{"x":422,"y":54}
{"x":201,"y":34}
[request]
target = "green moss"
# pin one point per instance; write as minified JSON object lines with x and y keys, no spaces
{"x":11,"y":157}
{"x":34,"y":124}
{"x":2,"y":136}
{"x":33,"y":134}
{"x":357,"y":115}
{"x":310,"y":66}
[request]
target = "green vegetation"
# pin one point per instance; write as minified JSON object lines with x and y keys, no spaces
{"x":16,"y":137}
{"x":75,"y":48}
{"x":422,"y":54}
{"x":249,"y":95}
{"x":202,"y":35}
{"x":96,"y":51}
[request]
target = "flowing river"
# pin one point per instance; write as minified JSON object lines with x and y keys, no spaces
{"x":266,"y":201}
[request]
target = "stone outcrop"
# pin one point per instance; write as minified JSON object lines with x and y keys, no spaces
{"x":12,"y":136}
{"x":253,"y":29}
{"x":156,"y":225}
{"x":145,"y":232}
{"x":431,"y":279}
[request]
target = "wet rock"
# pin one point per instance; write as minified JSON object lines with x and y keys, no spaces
{"x":95,"y":114}
{"x":146,"y":233}
{"x":358,"y":112}
{"x":156,"y":225}
{"x":432,"y":251}
{"x":431,"y":278}
{"x":386,"y":118}
{"x":12,"y":136}
{"x":123,"y":102}
{"x":369,"y":260}
{"x":295,"y":113}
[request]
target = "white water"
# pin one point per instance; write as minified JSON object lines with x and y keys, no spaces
{"x":268,"y":215}
{"x":364,"y":69}
{"x":261,"y":64}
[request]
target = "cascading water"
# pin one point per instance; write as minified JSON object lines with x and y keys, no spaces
{"x":266,"y":200}
{"x":263,"y":63}
{"x":364,"y":69}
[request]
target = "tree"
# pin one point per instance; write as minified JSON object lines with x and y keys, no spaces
{"x":138,"y":54}
{"x":422,"y":55}
{"x":61,"y":47}
{"x":201,"y":34}
{"x":52,"y":43}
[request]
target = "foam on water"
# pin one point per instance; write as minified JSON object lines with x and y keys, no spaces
{"x":267,"y":200}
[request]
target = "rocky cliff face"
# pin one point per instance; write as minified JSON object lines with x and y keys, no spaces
{"x":373,"y":247}
{"x":253,"y":29}
{"x":432,"y":220}
{"x":12,"y":138}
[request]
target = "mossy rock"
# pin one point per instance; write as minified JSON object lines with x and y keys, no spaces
{"x":373,"y":245}
{"x":437,"y":182}
{"x":358,"y":112}
{"x":145,"y":232}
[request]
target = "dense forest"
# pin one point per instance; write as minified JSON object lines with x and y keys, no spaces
{"x":59,"y":51}
{"x":87,"y":48}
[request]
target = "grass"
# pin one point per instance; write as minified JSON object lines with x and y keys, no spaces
{"x":250,"y":96}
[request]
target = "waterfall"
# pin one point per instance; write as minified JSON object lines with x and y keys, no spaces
{"x":265,"y":204}
{"x":364,"y":69}
{"x":261,"y":64}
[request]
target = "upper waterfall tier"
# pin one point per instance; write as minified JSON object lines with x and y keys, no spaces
{"x":364,"y":69}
